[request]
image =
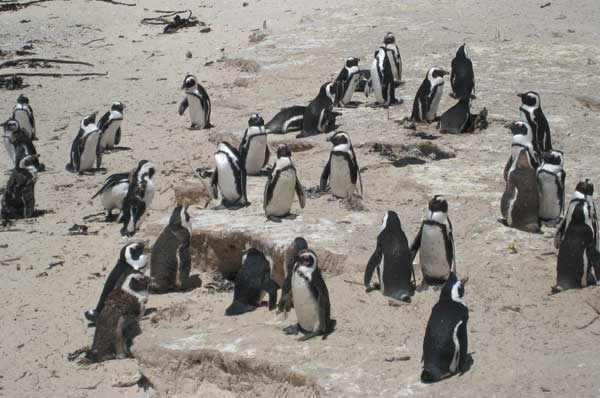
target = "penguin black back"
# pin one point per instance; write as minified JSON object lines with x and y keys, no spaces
{"x":462,"y":78}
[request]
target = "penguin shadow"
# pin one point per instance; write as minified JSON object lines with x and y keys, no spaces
{"x":91,"y":172}
{"x":193,"y":282}
{"x":537,"y":231}
{"x":352,"y":105}
{"x":296,"y":329}
{"x":117,"y":149}
{"x":37,"y":213}
{"x":280,"y":219}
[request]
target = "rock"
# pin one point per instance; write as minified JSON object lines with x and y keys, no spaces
{"x":257,"y":37}
{"x":242,"y":81}
{"x":244,"y":65}
{"x":294,"y":144}
{"x":191,"y":192}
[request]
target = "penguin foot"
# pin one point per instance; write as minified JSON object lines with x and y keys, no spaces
{"x":422,"y":287}
{"x":194,"y":127}
{"x":556,"y":289}
{"x":452,"y":95}
{"x":221,"y":206}
{"x":292,"y":330}
{"x":473,"y":96}
{"x":309,"y":336}
{"x":374,"y":286}
{"x":91,"y":315}
{"x":274,"y":219}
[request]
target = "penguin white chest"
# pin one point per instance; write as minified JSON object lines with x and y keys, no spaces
{"x":283,"y":194}
{"x":376,"y":82}
{"x":197,"y":111}
{"x":435,"y":103}
{"x":107,"y":140}
{"x":149,"y":194}
{"x":432,"y":257}
{"x":88,"y":156}
{"x":9,"y":148}
{"x":350,"y":89}
{"x":341,"y":183}
{"x":549,"y":197}
{"x":113,"y":198}
{"x":22,"y":117}
{"x":255,"y":157}
{"x":305,"y":304}
{"x":227,"y":183}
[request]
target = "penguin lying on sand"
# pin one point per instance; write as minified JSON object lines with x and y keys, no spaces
{"x":286,"y":119}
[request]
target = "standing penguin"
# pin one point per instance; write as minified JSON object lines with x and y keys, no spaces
{"x":113,"y":191}
{"x":522,"y":139}
{"x":18,"y":200}
{"x":520,"y":201}
{"x":170,"y":262}
{"x":393,"y":53}
{"x":462,"y":78}
{"x":254,"y":150}
{"x":286,"y":302}
{"x":382,"y":78}
{"x":286,"y":119}
{"x":347,"y":81}
{"x":445,"y":345}
{"x":110,"y":126}
{"x":85,"y":150}
{"x":428,"y":96}
{"x":393,"y":260}
{"x":281,"y":186}
{"x":319,"y":116}
{"x":197,"y":99}
{"x":435,"y":243}
{"x":229,"y":178}
{"x":551,"y":186}
{"x":311,"y":298}
{"x":455,"y":119}
{"x":18,"y":144}
{"x":119,"y":321}
{"x":531,"y":112}
{"x":23,"y":113}
{"x":131,"y":260}
{"x":583,"y":191}
{"x":342,"y":169}
{"x":138,"y":199}
{"x":252,"y":281}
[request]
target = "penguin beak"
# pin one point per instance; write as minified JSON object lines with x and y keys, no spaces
{"x":464,"y":281}
{"x":445,"y":72}
{"x":520,"y":95}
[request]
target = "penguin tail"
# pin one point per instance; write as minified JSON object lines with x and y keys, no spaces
{"x":431,"y":375}
{"x":237,"y":308}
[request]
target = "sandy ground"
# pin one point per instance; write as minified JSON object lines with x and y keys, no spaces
{"x":523,"y":341}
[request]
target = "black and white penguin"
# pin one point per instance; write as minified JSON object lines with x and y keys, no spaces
{"x":522,"y":139}
{"x":462,"y":78}
{"x":113,"y":193}
{"x":197,"y":99}
{"x":254,"y":150}
{"x":85,"y":150}
{"x":531,"y":112}
{"x":119,"y":321}
{"x":347,"y":81}
{"x":584,"y":190}
{"x":445,"y":345}
{"x":435,"y":243}
{"x":170,"y":262}
{"x":382,"y":78}
{"x":110,"y":126}
{"x":282,"y":185}
{"x":138,"y":200}
{"x":551,"y":186}
{"x":23,"y":113}
{"x":229,"y":178}
{"x":131,"y":260}
{"x":286,"y":302}
{"x":18,"y":199}
{"x":319,"y":116}
{"x":287,"y":119}
{"x":19,"y":145}
{"x":455,"y":119}
{"x":252,"y":282}
{"x":364,"y":84}
{"x":393,"y":53}
{"x":393,"y":261}
{"x":520,"y":201}
{"x":428,"y":96}
{"x":342,"y":169}
{"x":311,"y":298}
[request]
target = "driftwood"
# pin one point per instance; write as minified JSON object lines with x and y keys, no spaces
{"x":15,"y":62}
{"x":118,"y":3}
{"x":175,"y":24}
{"x":8,"y":75}
{"x":12,"y":83}
{"x":18,"y":6}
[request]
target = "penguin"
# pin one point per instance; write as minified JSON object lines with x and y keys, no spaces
{"x":170,"y":262}
{"x":393,"y":261}
{"x":229,"y":178}
{"x":445,"y":344}
{"x":455,"y":119}
{"x":428,"y":96}
{"x":584,"y":190}
{"x":342,"y":169}
{"x":319,"y":116}
{"x":551,"y":186}
{"x":110,"y":126}
{"x":282,"y":184}
{"x":522,"y":139}
{"x":138,"y":199}
{"x":578,"y":260}
{"x":286,"y":302}
{"x":131,"y":260}
{"x":462,"y":78}
{"x":382,"y":78}
{"x":286,"y":119}
{"x":393,"y":54}
{"x":85,"y":149}
{"x":311,"y":298}
{"x":347,"y":81}
{"x":252,"y":281}
{"x":18,"y":144}
{"x":198,"y":101}
{"x":531,"y":112}
{"x":18,"y":199}
{"x":119,"y":321}
{"x":254,"y":150}
{"x":113,"y":193}
{"x":23,"y":113}
{"x":520,"y":201}
{"x":435,"y":243}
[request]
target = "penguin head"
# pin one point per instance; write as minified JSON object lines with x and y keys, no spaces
{"x":22,"y":99}
{"x":530,"y":98}
{"x":300,"y":244}
{"x":454,"y":289}
{"x":180,"y":217}
{"x":554,"y":156}
{"x":585,"y":187}
{"x":256,"y":120}
{"x":145,"y":171}
{"x":227,"y":148}
{"x":521,"y":129}
{"x":462,"y":52}
{"x":390,"y":222}
{"x":136,"y":284}
{"x":189,"y":82}
{"x":389,"y":38}
{"x":438,"y":204}
{"x":307,"y":259}
{"x":352,"y":61}
{"x":133,"y":255}
{"x":327,"y":90}
{"x":117,"y":106}
{"x":283,"y":151}
{"x":88,"y":120}
{"x":436,"y":73}
{"x":10,"y":126}
{"x":339,"y":138}
{"x":27,"y":161}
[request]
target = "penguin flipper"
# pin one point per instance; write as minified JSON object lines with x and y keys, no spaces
{"x":214,"y":180}
{"x":463,"y":341}
{"x":118,"y":136}
{"x":507,"y":167}
{"x":267,"y":155}
{"x":272,"y":291}
{"x":300,"y":193}
{"x":183,"y":106}
{"x":325,"y":175}
{"x":237,"y":308}
{"x":416,"y":244}
{"x":98,"y":155}
{"x":374,"y":261}
{"x":102,"y":122}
